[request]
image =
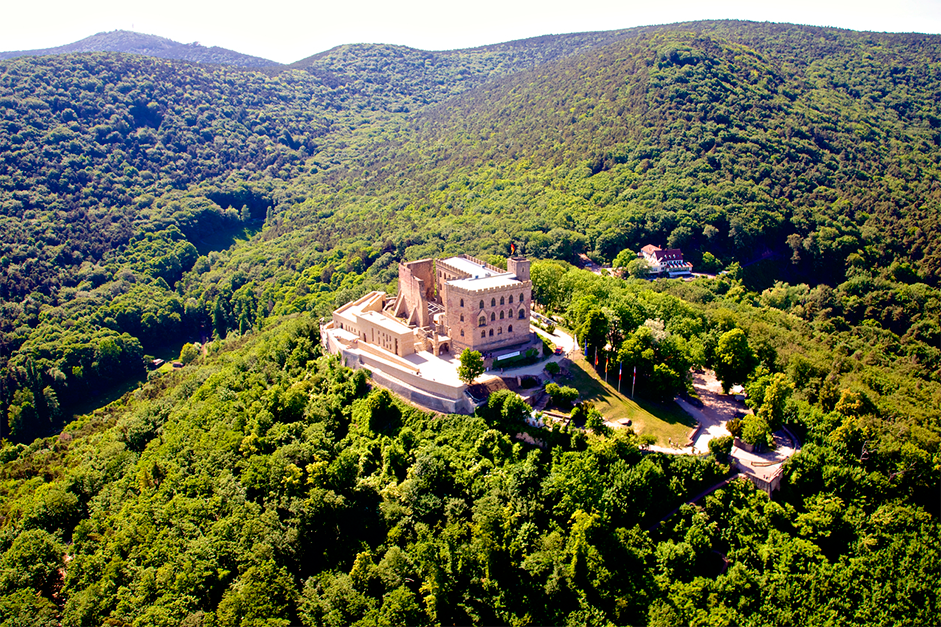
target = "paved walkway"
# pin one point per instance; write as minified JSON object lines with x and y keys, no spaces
{"x":717,"y":410}
{"x":443,"y":368}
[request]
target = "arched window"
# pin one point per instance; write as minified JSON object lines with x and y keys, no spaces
{"x":501,"y":315}
{"x":493,"y":302}
{"x":482,"y":322}
{"x":462,"y":332}
{"x":462,"y":317}
{"x":481,"y":304}
{"x":493,"y":316}
{"x":483,"y":334}
{"x":511,"y":299}
{"x":500,"y":331}
{"x":462,"y":302}
{"x":522,"y":314}
{"x":502,"y":302}
{"x":510,"y":330}
{"x":521,"y":298}
{"x":491,"y":332}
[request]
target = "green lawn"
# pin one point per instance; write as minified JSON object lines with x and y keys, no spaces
{"x":663,"y":420}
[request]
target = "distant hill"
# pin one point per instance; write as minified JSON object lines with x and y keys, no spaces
{"x":411,"y":78}
{"x":151,"y":46}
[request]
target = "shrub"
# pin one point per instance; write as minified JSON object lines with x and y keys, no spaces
{"x":721,"y":447}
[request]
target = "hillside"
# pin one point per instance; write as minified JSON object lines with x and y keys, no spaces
{"x":814,"y":148}
{"x":151,"y":46}
{"x":103,"y":149}
{"x":424,"y":77}
{"x":266,"y":482}
{"x":804,"y":154}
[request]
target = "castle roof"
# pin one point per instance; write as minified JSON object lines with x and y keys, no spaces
{"x":463,"y":264}
{"x":487,"y":282}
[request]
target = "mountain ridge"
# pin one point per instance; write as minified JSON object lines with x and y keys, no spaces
{"x":131,"y":42}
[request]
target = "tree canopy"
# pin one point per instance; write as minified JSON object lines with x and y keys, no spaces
{"x":472,"y":366}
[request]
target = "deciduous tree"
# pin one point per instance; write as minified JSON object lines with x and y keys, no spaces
{"x":472,"y":366}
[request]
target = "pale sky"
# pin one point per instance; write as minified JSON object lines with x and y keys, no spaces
{"x":287,"y":31}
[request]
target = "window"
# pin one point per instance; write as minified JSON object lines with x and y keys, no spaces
{"x":500,"y":331}
{"x":493,"y":316}
{"x":521,"y":298}
{"x":483,"y":334}
{"x":502,"y":302}
{"x":522,"y":314}
{"x":491,"y":332}
{"x":482,"y":322}
{"x":501,"y":315}
{"x":462,"y":317}
{"x":510,"y":330}
{"x":493,"y":302}
{"x":481,"y":304}
{"x":462,"y":302}
{"x":511,"y":299}
{"x":462,"y":332}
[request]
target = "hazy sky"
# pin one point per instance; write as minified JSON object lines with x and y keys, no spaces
{"x":288,"y":31}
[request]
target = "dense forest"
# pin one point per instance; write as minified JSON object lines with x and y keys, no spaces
{"x":148,"y":204}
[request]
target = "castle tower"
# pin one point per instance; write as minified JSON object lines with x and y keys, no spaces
{"x":518,"y":266}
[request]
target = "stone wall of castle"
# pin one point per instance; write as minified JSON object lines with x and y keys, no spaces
{"x":520,"y":267}
{"x":485,"y":320}
{"x":416,"y":284}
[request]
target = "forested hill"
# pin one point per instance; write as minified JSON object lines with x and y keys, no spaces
{"x":816,"y":148}
{"x":100,"y":150}
{"x":802,"y":153}
{"x":423,"y":77}
{"x":149,"y":45}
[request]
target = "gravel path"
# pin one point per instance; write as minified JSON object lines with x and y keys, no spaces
{"x":717,"y":410}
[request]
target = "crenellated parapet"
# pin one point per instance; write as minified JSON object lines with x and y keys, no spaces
{"x":524,"y":286}
{"x":482,"y":263}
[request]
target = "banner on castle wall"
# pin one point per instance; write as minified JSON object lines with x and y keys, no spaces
{"x":506,"y":356}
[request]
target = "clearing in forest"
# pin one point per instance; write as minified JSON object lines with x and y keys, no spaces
{"x":665,"y":421}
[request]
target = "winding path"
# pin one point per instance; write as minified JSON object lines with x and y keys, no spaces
{"x":718,"y":408}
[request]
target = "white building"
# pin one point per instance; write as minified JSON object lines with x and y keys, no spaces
{"x":667,"y":262}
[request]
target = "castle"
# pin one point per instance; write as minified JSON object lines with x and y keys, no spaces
{"x":445,"y":306}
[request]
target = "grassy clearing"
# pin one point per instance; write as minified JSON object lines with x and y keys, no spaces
{"x":663,"y":420}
